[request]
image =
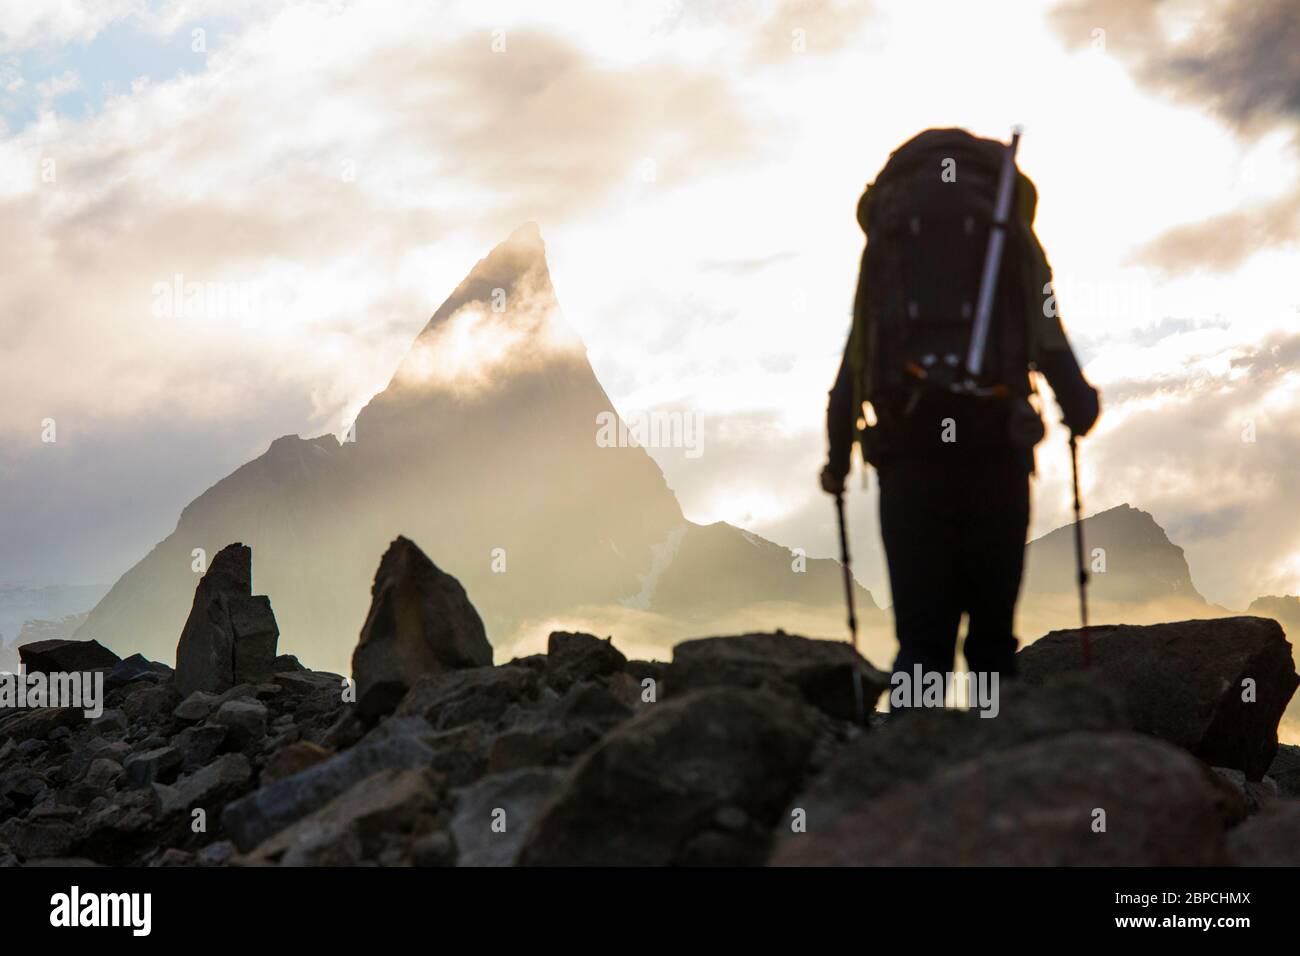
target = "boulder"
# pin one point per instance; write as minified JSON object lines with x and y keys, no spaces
{"x":207,"y":787}
{"x":159,"y":765}
{"x":576,"y":657}
{"x":65,"y":656}
{"x":493,"y":815}
{"x":244,"y":720}
{"x":230,"y":635}
{"x":393,"y":803}
{"x":394,"y":744}
{"x":196,"y":706}
{"x":1040,"y":804}
{"x":135,"y":668}
{"x":456,"y":698}
{"x":1254,"y":794}
{"x":925,"y":741}
{"x":1216,"y":687}
{"x":820,"y":671}
{"x":293,"y":758}
{"x":1285,"y":770}
{"x":421,"y":622}
{"x":39,"y":724}
{"x":1269,"y":838}
{"x":651,"y":792}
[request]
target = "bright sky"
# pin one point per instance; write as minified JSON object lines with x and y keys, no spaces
{"x":694,"y":168}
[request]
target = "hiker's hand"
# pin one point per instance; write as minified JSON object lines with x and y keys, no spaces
{"x":832,"y":483}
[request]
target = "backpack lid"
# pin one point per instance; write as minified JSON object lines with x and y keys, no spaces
{"x":958,"y":144}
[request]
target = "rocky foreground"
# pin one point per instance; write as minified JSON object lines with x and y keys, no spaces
{"x":741,"y":751}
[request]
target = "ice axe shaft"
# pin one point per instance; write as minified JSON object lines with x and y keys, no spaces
{"x":848,"y":597}
{"x":1078,"y":552}
{"x":993,"y":260}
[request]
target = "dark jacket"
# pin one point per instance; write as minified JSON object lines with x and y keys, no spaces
{"x":905,"y":428}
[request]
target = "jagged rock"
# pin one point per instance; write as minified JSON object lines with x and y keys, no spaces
{"x":558,"y":730}
{"x":196,"y":706}
{"x":1034,"y":805}
{"x":198,"y":745}
{"x":215,"y":854}
{"x":432,"y":849}
{"x":926,"y":741}
{"x":103,"y":773}
{"x":1254,"y":793}
{"x":255,"y":637}
{"x":287,"y":663}
{"x":135,"y":668}
{"x":1270,"y":838}
{"x":150,"y":702}
{"x":231,"y":634}
{"x":460,"y":697}
{"x":576,"y":656}
{"x":293,"y":758}
{"x":821,"y":671}
{"x":1185,"y":682}
{"x":112,"y":722}
{"x":39,"y":838}
{"x":245,"y":721}
{"x":64,"y":656}
{"x":207,"y":787}
{"x":394,"y":744}
{"x":39,"y":724}
{"x":421,"y":622}
{"x":1285,"y":770}
{"x":159,"y":765}
{"x":309,"y":682}
{"x":658,"y":781}
{"x":393,"y":802}
{"x":493,"y":815}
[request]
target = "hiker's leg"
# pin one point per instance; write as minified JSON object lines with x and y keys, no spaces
{"x":992,"y":556}
{"x":920,"y":537}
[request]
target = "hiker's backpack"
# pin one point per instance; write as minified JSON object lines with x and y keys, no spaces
{"x":927,"y":218}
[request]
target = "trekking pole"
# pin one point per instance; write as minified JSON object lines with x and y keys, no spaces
{"x":1078,"y":551}
{"x":853,"y":618}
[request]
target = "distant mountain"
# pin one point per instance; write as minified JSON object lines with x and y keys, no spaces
{"x":24,"y":607}
{"x":1137,"y":561}
{"x":485,"y":449}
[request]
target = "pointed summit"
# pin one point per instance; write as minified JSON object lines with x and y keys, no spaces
{"x":502,"y":318}
{"x":485,"y":447}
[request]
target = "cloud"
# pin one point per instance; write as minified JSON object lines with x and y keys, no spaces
{"x":24,"y":24}
{"x":1222,"y":243}
{"x":1238,"y":60}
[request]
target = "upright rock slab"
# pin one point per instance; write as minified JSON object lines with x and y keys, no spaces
{"x":231,"y":634}
{"x":1216,"y":687}
{"x":421,"y":622}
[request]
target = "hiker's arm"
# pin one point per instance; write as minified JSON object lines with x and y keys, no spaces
{"x":839,"y":423}
{"x":1079,"y":401}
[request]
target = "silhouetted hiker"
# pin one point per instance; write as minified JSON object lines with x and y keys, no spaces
{"x":954,"y":452}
